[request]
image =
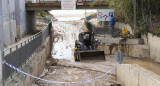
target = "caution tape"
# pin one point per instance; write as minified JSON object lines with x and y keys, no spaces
{"x":49,"y":81}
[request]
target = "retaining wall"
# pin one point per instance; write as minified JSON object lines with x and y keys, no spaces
{"x":134,"y":75}
{"x":34,"y":66}
{"x":137,"y":51}
{"x":154,"y":44}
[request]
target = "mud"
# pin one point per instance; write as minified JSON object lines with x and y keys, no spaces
{"x":145,"y":63}
{"x":68,"y":71}
{"x":69,"y":74}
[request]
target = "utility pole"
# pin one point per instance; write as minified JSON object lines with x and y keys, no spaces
{"x":85,"y":14}
{"x":2,"y":45}
{"x":135,"y":16}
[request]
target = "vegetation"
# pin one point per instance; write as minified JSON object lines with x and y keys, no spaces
{"x":43,"y":14}
{"x":93,"y":15}
{"x":148,"y":13}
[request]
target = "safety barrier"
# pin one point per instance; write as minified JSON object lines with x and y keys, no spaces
{"x":19,"y":53}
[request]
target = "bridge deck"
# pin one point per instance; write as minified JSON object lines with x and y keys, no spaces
{"x":56,"y":4}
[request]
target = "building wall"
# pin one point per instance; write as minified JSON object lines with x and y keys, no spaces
{"x":14,"y":16}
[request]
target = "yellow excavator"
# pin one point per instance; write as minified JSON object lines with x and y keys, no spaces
{"x":86,"y":48}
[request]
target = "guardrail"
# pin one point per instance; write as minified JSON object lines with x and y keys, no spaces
{"x":56,"y":1}
{"x":18,"y":54}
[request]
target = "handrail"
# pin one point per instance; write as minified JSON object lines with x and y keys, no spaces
{"x":57,"y":1}
{"x":27,"y":38}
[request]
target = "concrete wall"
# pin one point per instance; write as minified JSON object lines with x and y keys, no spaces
{"x":137,"y":51}
{"x":154,"y":43}
{"x":20,"y":17}
{"x":14,"y":20}
{"x":9,"y":22}
{"x":134,"y":75}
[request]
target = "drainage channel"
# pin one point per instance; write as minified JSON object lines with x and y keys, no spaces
{"x":65,"y":69}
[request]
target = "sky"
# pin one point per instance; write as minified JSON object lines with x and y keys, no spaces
{"x":55,"y":12}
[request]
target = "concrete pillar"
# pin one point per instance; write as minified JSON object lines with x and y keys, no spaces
{"x":1,"y":35}
{"x":31,"y":21}
{"x":1,"y":46}
{"x":20,"y":18}
{"x":1,"y":21}
{"x":17,"y":12}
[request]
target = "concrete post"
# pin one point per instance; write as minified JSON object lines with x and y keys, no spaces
{"x":2,"y":46}
{"x":17,"y":12}
{"x":31,"y":21}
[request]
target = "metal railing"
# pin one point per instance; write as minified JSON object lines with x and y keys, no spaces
{"x":18,"y":54}
{"x":58,"y":1}
{"x":97,"y":30}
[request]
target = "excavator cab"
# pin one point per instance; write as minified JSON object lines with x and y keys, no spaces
{"x":85,"y":48}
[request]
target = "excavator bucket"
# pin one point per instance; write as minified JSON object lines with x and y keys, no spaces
{"x":91,"y":55}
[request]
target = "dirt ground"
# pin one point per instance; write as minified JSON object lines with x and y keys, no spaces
{"x":68,"y":71}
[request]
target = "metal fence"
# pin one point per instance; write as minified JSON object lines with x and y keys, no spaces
{"x":18,"y":54}
{"x":57,"y":1}
{"x":100,"y":30}
{"x":97,"y":30}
